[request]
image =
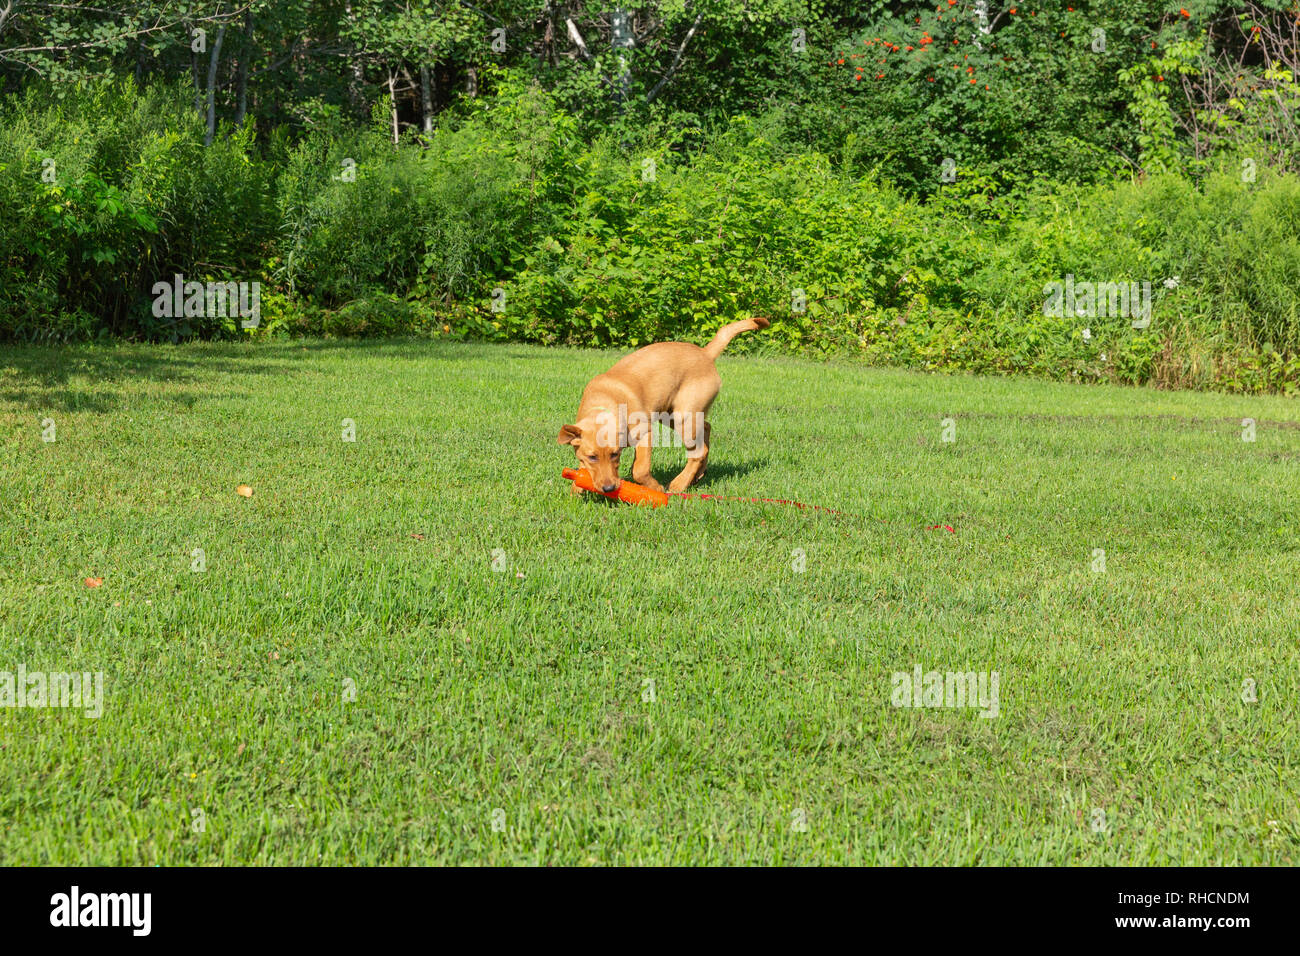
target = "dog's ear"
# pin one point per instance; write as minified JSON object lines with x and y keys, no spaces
{"x":569,"y":435}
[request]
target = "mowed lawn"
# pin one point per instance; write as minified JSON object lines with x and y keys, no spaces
{"x":638,"y":686}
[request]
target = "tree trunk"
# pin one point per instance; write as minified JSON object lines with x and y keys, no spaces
{"x":197,"y":71}
{"x":357,"y":84}
{"x":677,"y":60}
{"x":620,"y":38}
{"x":392,"y":102}
{"x":426,"y":99}
{"x":576,"y":38}
{"x":212,"y":85}
{"x":241,"y":110}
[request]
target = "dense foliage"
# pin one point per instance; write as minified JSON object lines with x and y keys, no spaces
{"x":897,"y":180}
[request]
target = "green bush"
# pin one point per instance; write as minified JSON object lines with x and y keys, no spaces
{"x":105,"y":190}
{"x":502,"y":224}
{"x":958,"y":282}
{"x":443,"y":217}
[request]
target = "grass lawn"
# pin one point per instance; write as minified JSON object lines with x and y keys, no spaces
{"x":509,"y":716}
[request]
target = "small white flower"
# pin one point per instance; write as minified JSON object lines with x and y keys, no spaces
{"x":1103,"y":356}
{"x":1087,"y":334}
{"x":1171,"y":283}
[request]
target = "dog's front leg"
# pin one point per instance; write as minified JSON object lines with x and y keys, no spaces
{"x":641,"y":466}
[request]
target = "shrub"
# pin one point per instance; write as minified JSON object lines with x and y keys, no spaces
{"x":105,"y":190}
{"x":443,"y":216}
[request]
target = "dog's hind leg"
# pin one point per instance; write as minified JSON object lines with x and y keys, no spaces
{"x":704,"y":459}
{"x":694,"y":431}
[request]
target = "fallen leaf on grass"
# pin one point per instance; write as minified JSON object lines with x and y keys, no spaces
{"x":244,"y":491}
{"x":93,"y":582}
{"x":417,"y":536}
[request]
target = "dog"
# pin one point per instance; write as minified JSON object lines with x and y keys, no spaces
{"x":671,"y":382}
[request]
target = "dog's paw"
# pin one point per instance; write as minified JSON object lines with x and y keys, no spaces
{"x":648,"y":482}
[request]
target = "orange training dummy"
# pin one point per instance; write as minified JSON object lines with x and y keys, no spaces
{"x":629,"y":492}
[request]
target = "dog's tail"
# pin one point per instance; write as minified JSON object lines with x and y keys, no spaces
{"x":730,"y":331}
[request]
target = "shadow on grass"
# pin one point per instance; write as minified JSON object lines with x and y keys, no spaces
{"x":84,"y":378}
{"x":726,"y":469}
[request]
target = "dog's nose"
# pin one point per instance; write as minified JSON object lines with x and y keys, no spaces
{"x":609,"y":486}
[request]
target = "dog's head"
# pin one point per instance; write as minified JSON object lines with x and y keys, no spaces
{"x":598,"y":450}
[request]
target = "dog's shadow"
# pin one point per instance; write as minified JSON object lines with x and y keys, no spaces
{"x":717,"y":471}
{"x":729,"y":469}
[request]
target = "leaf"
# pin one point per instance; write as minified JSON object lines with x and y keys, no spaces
{"x":244,"y":491}
{"x":93,"y":582}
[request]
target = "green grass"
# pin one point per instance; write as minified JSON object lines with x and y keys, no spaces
{"x":524,"y":690}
